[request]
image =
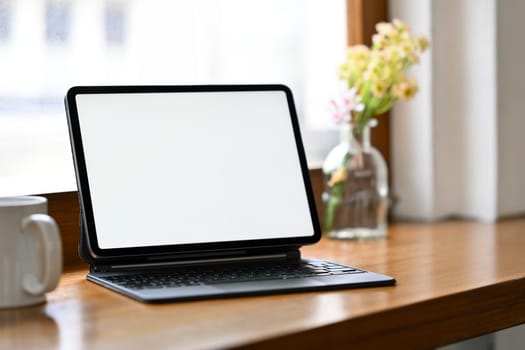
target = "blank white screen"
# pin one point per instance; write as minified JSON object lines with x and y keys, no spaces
{"x":194,"y":167}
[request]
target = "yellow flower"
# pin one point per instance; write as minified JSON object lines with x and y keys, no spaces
{"x":379,"y":40}
{"x":378,"y":73}
{"x":388,"y":73}
{"x":379,"y":88}
{"x":385,"y":28}
{"x":407,"y":48}
{"x":337,"y":176}
{"x":393,"y":56}
{"x":401,"y":26}
{"x":422,"y":43}
{"x":344,"y":71}
{"x":405,"y":90}
{"x":374,"y":68}
{"x":358,"y":52}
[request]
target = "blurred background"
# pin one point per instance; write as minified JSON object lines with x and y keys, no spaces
{"x":47,"y":46}
{"x":455,"y":151}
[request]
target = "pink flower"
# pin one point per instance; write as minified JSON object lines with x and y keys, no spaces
{"x":341,"y":107}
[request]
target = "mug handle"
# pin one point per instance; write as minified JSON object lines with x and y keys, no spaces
{"x":45,"y":227}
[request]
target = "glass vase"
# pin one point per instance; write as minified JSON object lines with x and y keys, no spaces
{"x":355,"y":194}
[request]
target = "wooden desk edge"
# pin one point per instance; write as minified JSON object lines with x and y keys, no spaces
{"x":451,"y":318}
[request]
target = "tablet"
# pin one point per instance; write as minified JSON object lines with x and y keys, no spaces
{"x":178,"y":169}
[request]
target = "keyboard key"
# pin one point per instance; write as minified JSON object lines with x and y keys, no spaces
{"x":201,"y":275}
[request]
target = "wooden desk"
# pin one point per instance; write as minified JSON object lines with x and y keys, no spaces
{"x":456,"y":280}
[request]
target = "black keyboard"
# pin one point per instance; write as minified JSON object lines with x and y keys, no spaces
{"x":200,"y":275}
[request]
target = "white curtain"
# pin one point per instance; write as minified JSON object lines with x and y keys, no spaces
{"x":458,"y":149}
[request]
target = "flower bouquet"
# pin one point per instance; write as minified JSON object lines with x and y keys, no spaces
{"x":356,"y":185}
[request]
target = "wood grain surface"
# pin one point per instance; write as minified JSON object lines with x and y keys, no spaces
{"x":455,"y":280}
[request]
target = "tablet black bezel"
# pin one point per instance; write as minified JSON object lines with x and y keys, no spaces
{"x":173,"y":250}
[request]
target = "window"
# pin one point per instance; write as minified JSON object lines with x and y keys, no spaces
{"x":56,"y":44}
{"x":58,"y":21}
{"x":5,"y":20}
{"x":115,"y":22}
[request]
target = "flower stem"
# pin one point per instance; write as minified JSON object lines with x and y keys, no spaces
{"x":336,"y":195}
{"x":334,"y":201}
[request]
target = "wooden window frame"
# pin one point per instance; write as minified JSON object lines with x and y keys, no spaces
{"x":362,"y":16}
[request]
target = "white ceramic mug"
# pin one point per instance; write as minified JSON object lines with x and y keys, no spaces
{"x":30,"y":251}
